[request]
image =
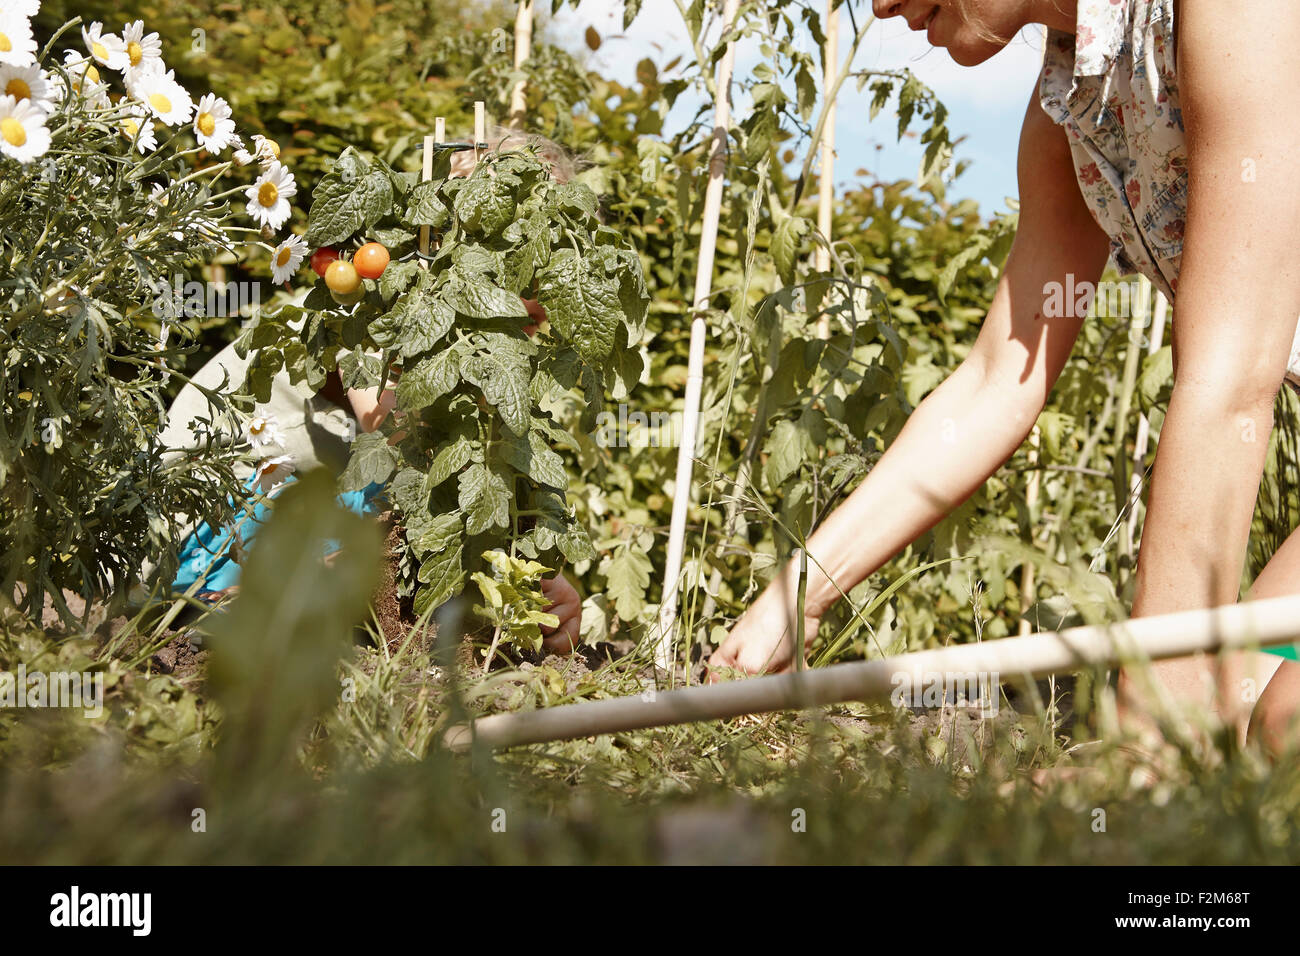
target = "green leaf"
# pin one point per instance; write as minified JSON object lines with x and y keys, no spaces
{"x":340,"y":208}
{"x":372,"y":461}
{"x":504,"y":375}
{"x":627,"y":576}
{"x":426,"y":207}
{"x":484,"y":498}
{"x":786,"y":449}
{"x":787,"y":241}
{"x":428,"y":380}
{"x":583,"y":304}
{"x":435,"y":535}
{"x":416,"y":323}
{"x":476,"y":297}
{"x":484,"y":205}
{"x":451,"y":458}
{"x":534,"y":458}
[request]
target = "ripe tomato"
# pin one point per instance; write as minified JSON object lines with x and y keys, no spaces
{"x":371,"y":260}
{"x":321,"y":259}
{"x":341,"y":276}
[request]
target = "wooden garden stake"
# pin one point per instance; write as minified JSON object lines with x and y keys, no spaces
{"x":426,"y":173}
{"x":664,"y":651}
{"x":480,"y":129}
{"x":1234,"y":626}
{"x":826,"y":182}
{"x":523,"y":49}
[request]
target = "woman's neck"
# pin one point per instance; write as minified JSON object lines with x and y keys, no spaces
{"x":1054,"y":14}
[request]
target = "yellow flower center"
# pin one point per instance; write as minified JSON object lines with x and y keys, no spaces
{"x":256,"y":426}
{"x":267,"y":194}
{"x":207,"y":123}
{"x":12,"y":131}
{"x":135,"y":52}
{"x":18,"y":89}
{"x":160,"y":103}
{"x":5,"y":43}
{"x":283,"y":258}
{"x":100,"y":51}
{"x":130,"y":127}
{"x":92,"y":74}
{"x":273,"y":146}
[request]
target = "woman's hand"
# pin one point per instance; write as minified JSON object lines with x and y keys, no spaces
{"x":567,"y":606}
{"x":762,"y":642}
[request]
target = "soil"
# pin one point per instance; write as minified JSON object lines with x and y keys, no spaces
{"x":396,"y":615}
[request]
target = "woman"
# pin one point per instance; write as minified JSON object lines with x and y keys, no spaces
{"x":1161,"y":132}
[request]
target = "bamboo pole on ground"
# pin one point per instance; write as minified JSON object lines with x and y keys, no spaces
{"x":1234,"y":626}
{"x":826,"y":181}
{"x":667,"y":620}
{"x":1140,"y":444}
{"x":523,"y":49}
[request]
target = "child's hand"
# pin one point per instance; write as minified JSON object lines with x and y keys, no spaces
{"x":567,"y":606}
{"x":536,"y":316}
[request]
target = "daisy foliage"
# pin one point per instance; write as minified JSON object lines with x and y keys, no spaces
{"x":119,"y":197}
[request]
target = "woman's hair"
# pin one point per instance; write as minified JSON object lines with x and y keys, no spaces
{"x":504,"y":138}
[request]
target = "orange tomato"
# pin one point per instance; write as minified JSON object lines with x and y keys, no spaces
{"x":371,"y":260}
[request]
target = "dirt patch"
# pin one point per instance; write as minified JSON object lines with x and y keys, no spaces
{"x":396,"y":614}
{"x":182,"y":657}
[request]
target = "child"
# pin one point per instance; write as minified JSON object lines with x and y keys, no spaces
{"x":1158,"y":133}
{"x":305,"y":432}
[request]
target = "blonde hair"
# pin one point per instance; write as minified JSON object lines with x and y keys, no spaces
{"x":504,"y":138}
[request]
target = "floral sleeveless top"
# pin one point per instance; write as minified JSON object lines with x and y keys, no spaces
{"x":1113,"y":86}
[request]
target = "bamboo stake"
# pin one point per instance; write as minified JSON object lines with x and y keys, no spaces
{"x":1031,"y":500}
{"x":1144,"y":424}
{"x":523,"y":49}
{"x":426,"y":173}
{"x":826,"y":182}
{"x":699,"y":332}
{"x":480,"y":129}
{"x":1234,"y":626}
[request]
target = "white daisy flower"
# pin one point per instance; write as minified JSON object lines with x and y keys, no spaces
{"x":143,"y":51}
{"x":265,"y":151}
{"x":166,"y":99}
{"x":286,"y":259}
{"x":17,"y":45}
{"x":273,"y":471}
{"x":26,"y":83}
{"x":137,"y":122}
{"x":85,"y":79}
{"x":268,"y":198}
{"x":213,"y":126}
{"x":21,"y":8}
{"x":23,"y":135}
{"x":107,"y":48}
{"x":262,"y":431}
{"x":158,"y":193}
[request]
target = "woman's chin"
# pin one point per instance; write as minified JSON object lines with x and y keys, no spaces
{"x":973,"y":54}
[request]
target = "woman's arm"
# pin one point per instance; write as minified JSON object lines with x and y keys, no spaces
{"x":963,"y":431}
{"x":1238,"y":298}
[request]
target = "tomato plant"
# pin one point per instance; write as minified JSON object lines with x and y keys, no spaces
{"x":469,"y":451}
{"x":321,"y":259}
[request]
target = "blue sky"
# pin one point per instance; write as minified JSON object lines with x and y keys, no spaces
{"x":985,"y":103}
